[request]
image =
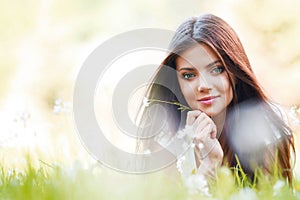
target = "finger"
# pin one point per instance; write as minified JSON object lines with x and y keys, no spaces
{"x":202,"y":135}
{"x":201,"y":126}
{"x":212,"y":130}
{"x":191,"y":116}
{"x":202,"y":121}
{"x":211,"y":145}
{"x":213,"y":133}
{"x":215,"y":149}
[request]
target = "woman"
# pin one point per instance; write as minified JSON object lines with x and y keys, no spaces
{"x":208,"y":70}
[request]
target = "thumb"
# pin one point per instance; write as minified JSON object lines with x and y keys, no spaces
{"x":213,"y":133}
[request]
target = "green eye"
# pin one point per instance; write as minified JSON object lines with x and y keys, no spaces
{"x":218,"y":70}
{"x":188,"y":75}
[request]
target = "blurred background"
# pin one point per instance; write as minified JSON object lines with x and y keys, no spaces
{"x":44,"y":43}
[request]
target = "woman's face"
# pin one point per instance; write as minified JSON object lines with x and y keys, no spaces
{"x":203,"y":80}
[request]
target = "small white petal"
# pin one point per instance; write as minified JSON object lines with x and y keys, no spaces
{"x":200,"y":146}
{"x":58,"y":101}
{"x":147,"y":152}
{"x":277,"y":187}
{"x":146,"y":102}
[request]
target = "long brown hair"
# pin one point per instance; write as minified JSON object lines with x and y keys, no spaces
{"x":222,"y":39}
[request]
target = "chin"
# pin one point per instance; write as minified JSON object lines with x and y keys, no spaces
{"x":211,"y":113}
{"x":208,"y":113}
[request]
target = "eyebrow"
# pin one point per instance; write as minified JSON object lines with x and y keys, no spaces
{"x":207,"y":66}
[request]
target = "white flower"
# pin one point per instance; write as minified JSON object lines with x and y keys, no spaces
{"x":147,"y":152}
{"x":298,"y":110}
{"x":293,"y":115}
{"x":244,"y":194}
{"x":146,"y":102}
{"x":180,"y":134}
{"x":57,"y":106}
{"x":58,"y":101}
{"x":10,"y":172}
{"x":193,"y":145}
{"x":277,"y":187}
{"x":197,"y":183}
{"x":186,"y":132}
{"x":179,"y":164}
{"x":61,"y":107}
{"x":25,"y":116}
{"x":56,"y":109}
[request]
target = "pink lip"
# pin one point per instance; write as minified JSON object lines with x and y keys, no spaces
{"x":208,"y":100}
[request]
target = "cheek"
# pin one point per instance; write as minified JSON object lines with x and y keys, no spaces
{"x":228,"y":91}
{"x":186,"y":89}
{"x":230,"y":95}
{"x":226,"y":88}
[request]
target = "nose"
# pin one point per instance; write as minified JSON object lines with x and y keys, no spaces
{"x":203,"y":85}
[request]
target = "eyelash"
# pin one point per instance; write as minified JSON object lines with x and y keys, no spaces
{"x":221,"y":68}
{"x":190,"y":75}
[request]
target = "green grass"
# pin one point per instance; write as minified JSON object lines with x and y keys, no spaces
{"x":29,"y":173}
{"x":96,"y":182}
{"x":77,"y":182}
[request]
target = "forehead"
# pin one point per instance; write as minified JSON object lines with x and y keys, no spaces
{"x":197,"y":56}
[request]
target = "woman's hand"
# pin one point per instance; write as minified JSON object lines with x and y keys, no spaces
{"x":208,"y":151}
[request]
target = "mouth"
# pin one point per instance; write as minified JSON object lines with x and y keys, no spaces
{"x":207,"y":100}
